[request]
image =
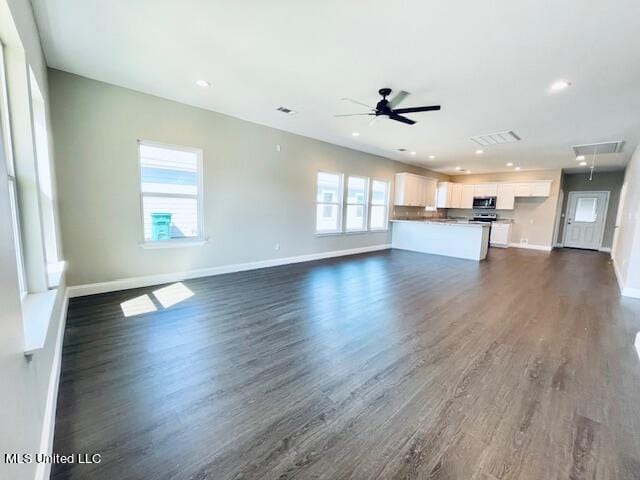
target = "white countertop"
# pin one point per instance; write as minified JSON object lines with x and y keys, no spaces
{"x":448,"y":223}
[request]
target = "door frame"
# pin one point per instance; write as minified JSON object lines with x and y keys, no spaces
{"x":604,"y":220}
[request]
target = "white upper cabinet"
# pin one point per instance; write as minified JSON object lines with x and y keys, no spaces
{"x":541,"y":188}
{"x":468,"y":192}
{"x":456,"y":195}
{"x":506,"y":196}
{"x":486,"y":190}
{"x":523,"y":189}
{"x":414,"y":191}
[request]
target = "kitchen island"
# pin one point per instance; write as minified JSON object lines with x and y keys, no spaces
{"x":452,"y":238}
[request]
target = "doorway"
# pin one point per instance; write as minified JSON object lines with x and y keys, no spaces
{"x":585,"y":219}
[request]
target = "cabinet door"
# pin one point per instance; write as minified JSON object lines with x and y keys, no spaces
{"x":500,"y":234}
{"x":430,"y":186}
{"x":456,"y":195}
{"x":467,"y":196}
{"x":523,"y":189}
{"x":399,"y":197}
{"x":506,"y":196}
{"x":540,"y":189}
{"x":444,"y":191}
{"x":491,"y":189}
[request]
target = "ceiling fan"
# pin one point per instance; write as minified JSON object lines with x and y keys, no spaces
{"x":388,"y":107}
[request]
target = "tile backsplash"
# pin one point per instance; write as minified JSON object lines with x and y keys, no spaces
{"x":417,"y":212}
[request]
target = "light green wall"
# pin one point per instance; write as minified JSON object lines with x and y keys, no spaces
{"x":254,"y":196}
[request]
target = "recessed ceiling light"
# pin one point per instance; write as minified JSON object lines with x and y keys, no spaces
{"x":458,"y":168}
{"x":559,"y":85}
{"x":355,"y":134}
{"x":517,"y":168}
{"x":580,"y":157}
{"x":468,"y":171}
{"x":203,"y":83}
{"x":413,"y":153}
{"x":583,"y":164}
{"x":510,"y":164}
{"x":432,"y":157}
{"x":479,"y":152}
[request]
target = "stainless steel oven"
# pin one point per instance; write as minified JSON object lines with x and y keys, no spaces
{"x":484,"y":203}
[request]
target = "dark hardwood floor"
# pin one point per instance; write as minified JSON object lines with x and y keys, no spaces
{"x":385,"y":365}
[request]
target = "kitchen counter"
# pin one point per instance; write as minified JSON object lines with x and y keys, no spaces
{"x":452,"y":238}
{"x":444,"y":221}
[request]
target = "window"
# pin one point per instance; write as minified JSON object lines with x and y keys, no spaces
{"x":357,"y":196}
{"x":45,"y":183}
{"x":329,"y":203}
{"x":586,"y":210}
{"x":379,"y":205}
{"x":171,"y":189}
{"x":6,"y":150}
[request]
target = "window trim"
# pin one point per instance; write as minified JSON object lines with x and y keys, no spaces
{"x":339,"y":203}
{"x":365,"y":204}
{"x":200,"y":239}
{"x":386,"y":204}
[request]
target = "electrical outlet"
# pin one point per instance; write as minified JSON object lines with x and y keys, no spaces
{"x":524,"y":241}
{"x":277,"y":246}
{"x":278,"y":148}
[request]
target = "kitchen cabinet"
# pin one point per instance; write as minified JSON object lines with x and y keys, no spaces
{"x":506,"y":196}
{"x":500,"y":234}
{"x":414,"y":190}
{"x":456,"y":195}
{"x":540,"y":188}
{"x":467,"y":196}
{"x":450,"y":195}
{"x":486,"y":190}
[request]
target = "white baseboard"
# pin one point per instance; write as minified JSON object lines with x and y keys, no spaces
{"x":605,"y":249}
{"x":624,"y":291}
{"x":631,"y":292}
{"x":530,"y":246}
{"x":149,"y":280}
{"x":43,"y":470}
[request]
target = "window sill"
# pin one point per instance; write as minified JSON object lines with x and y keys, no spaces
{"x":173,"y":244}
{"x":352,"y":232}
{"x":54,"y":273}
{"x":36,"y":316}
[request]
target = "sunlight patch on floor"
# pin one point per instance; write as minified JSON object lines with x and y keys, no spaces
{"x":172,"y":294}
{"x":138,"y":306}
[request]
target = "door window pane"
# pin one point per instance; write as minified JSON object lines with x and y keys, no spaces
{"x":586,"y":210}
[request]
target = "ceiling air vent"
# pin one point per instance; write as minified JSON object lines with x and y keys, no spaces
{"x":598,"y":148}
{"x":497,"y":138}
{"x":286,"y":111}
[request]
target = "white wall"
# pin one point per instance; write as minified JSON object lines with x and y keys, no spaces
{"x":24,"y":382}
{"x":626,"y":251}
{"x":254,"y":195}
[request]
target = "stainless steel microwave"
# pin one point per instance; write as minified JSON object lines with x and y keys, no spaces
{"x":484,"y":203}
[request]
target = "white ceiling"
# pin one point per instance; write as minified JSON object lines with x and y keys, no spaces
{"x":489,"y":64}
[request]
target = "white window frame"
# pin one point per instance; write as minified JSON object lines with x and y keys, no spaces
{"x":173,"y":242}
{"x":386,"y":205}
{"x":339,"y":203}
{"x":7,"y":145}
{"x":364,"y":205}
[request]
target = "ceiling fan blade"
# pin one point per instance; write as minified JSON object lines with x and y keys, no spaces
{"x":395,"y":101}
{"x":402,"y":119}
{"x":417,"y":109}
{"x":352,"y":114}
{"x":358,"y":103}
{"x":373,"y":120}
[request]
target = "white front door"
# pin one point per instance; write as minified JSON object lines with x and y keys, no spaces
{"x":586,"y":212}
